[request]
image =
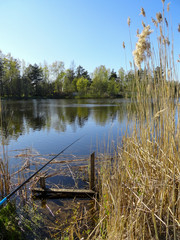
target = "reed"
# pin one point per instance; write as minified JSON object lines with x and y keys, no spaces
{"x":4,"y":163}
{"x":4,"y":173}
{"x":139,"y":191}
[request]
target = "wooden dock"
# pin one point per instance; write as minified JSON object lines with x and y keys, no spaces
{"x":62,"y":193}
{"x":45,"y":193}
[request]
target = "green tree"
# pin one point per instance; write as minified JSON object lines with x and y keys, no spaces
{"x":46,"y":83}
{"x":100,"y":81}
{"x":82,"y":85}
{"x":121,"y":80}
{"x":113,"y":75}
{"x":113,"y":87}
{"x":16,"y":79}
{"x":81,"y":72}
{"x":26,"y":86}
{"x":57,"y":76}
{"x":11,"y":80}
{"x":1,"y":77}
{"x":68,"y":86}
{"x":35,"y":74}
{"x":129,"y":83}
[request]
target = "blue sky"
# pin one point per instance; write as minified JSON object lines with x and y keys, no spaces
{"x":88,"y":32}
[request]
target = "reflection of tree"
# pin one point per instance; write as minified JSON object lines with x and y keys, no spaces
{"x":100,"y":115}
{"x":82,"y":115}
{"x":60,"y":125}
{"x":70,"y":114}
{"x":105,"y":113}
{"x":20,"y":116}
{"x":73,"y":116}
{"x":37,"y":115}
{"x":36,"y":123}
{"x":12,"y":121}
{"x":122,"y":111}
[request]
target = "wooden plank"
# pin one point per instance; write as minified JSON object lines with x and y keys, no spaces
{"x":62,"y":193}
{"x":92,"y":171}
{"x":42,"y":182}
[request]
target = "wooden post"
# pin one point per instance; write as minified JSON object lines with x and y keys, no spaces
{"x":92,"y":171}
{"x":42,"y":182}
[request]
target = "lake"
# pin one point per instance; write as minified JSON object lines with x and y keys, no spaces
{"x":50,"y":125}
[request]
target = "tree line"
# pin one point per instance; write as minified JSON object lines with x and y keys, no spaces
{"x":54,"y":81}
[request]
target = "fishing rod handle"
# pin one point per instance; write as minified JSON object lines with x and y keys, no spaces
{"x":3,"y":200}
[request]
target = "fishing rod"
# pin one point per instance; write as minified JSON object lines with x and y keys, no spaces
{"x":27,"y":180}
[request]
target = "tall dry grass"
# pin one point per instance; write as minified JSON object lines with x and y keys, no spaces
{"x":4,"y":164}
{"x":140,"y":190}
{"x":4,"y":174}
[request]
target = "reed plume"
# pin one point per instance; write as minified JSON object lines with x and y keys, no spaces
{"x":155,"y":22}
{"x":144,"y":25}
{"x":129,"y":21}
{"x":159,"y":17}
{"x":143,"y":12}
{"x":141,"y":46}
{"x":168,"y":7}
{"x":166,"y":22}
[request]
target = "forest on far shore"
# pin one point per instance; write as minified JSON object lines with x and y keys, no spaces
{"x":54,"y":81}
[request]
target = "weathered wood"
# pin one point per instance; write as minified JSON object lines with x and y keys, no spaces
{"x":62,"y":193}
{"x":92,"y":171}
{"x":42,"y":182}
{"x":45,"y":193}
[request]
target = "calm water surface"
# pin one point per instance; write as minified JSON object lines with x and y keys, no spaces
{"x":50,"y":125}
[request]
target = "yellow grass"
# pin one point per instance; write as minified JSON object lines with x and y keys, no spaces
{"x":140,"y":190}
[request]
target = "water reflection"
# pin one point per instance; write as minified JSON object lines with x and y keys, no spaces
{"x":19,"y":117}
